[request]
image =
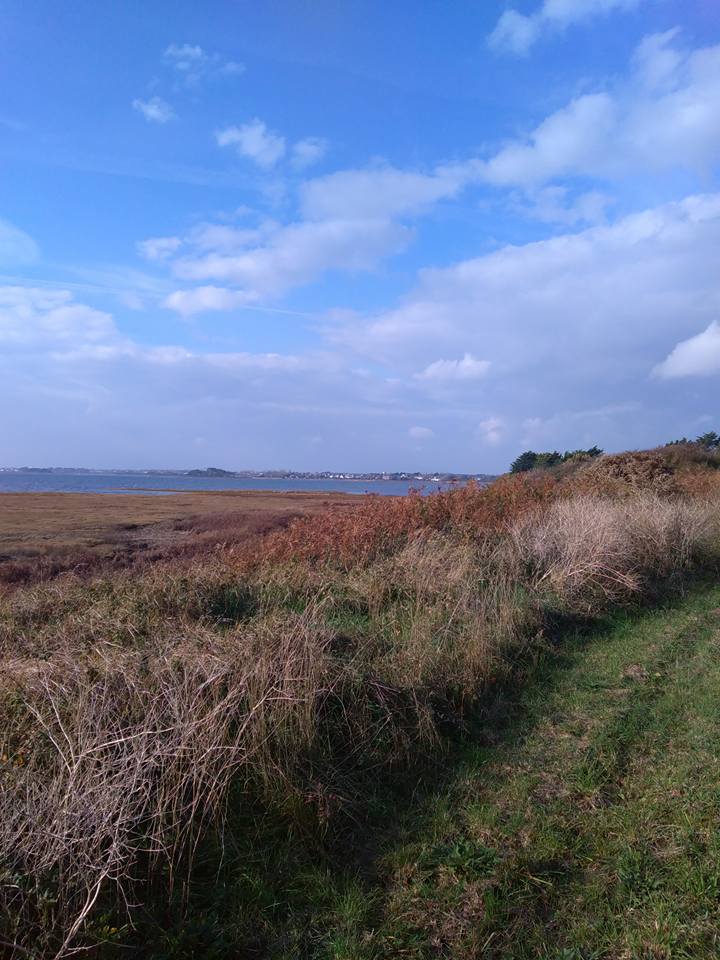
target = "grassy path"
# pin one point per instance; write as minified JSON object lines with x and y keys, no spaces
{"x":590,"y":829}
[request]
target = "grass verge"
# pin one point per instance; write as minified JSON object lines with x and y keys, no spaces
{"x":589,"y":830}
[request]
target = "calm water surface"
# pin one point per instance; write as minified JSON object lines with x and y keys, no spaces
{"x":160,"y":484}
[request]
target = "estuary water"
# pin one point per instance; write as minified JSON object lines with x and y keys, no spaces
{"x":31,"y":482}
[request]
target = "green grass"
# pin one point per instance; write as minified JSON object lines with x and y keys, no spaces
{"x":578,"y":821}
{"x":591,"y":829}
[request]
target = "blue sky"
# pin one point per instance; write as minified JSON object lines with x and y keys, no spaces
{"x":344,"y":235}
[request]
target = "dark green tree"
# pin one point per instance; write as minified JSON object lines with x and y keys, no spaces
{"x":548,"y":459}
{"x":530,"y":460}
{"x":582,"y":454}
{"x":709,"y":440}
{"x":526,"y":461}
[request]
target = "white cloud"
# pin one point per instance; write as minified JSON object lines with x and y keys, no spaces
{"x":224,"y":239}
{"x":667,"y":116}
{"x":155,"y":110}
{"x":514,"y":32}
{"x":16,"y":246}
{"x":194,"y":64}
{"x":205,"y":299}
{"x":159,"y":248}
{"x":575,"y":139}
{"x":32,"y":318}
{"x":656,"y":61}
{"x":184,"y":56}
{"x":573,"y":309}
{"x":61,"y":362}
{"x":308,"y":151}
{"x":491,"y":430}
{"x":585,"y":424}
{"x":556,"y":205}
{"x":469,"y":368}
{"x":664,"y":116}
{"x":517,"y":33}
{"x":695,"y":357}
{"x":420,"y":433}
{"x":296,"y":254}
{"x":50,"y":322}
{"x":231,"y":68}
{"x":255,"y":141}
{"x":381,"y":192}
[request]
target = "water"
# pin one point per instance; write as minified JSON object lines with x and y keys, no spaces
{"x":159,"y":484}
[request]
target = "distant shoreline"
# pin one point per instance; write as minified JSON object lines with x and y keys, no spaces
{"x":284,"y":475}
{"x":129,"y":484}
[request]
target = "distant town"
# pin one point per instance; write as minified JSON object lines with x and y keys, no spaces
{"x":217,"y":472}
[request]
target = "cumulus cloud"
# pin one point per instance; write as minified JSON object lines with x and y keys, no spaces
{"x":194,"y":63}
{"x":184,"y":56}
{"x":695,"y":357}
{"x":667,"y":116}
{"x":32,"y":318}
{"x":51,"y":322}
{"x":155,"y":110}
{"x":607,"y":297}
{"x":205,"y":299}
{"x":225,"y":239}
{"x":143,"y":405}
{"x":556,"y":205}
{"x":254,"y":141}
{"x":308,"y":151}
{"x":468,"y":368}
{"x":296,"y":254}
{"x":379,"y":192}
{"x":517,"y":33}
{"x":16,"y":246}
{"x":491,"y":430}
{"x":420,"y":433}
{"x":158,"y":248}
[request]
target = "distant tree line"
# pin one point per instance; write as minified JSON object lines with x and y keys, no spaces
{"x":709,"y":440}
{"x":530,"y":460}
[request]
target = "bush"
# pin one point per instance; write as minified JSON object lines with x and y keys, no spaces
{"x":542,"y":461}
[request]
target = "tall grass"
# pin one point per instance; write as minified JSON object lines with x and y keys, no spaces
{"x":133,"y":708}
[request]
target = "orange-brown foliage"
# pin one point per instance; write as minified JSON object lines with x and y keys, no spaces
{"x":623,"y":473}
{"x":699,"y":482}
{"x":383,"y":523}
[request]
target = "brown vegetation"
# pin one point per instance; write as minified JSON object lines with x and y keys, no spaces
{"x":282,"y":670}
{"x":43,"y":534}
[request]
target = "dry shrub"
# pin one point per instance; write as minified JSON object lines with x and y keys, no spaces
{"x":586,"y":553}
{"x":382,"y":525}
{"x":625,"y":474}
{"x":688,"y":456}
{"x":117,"y":757}
{"x":699,"y":483}
{"x":115,"y":763}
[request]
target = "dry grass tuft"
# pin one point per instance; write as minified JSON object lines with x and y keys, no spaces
{"x":588,"y":553}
